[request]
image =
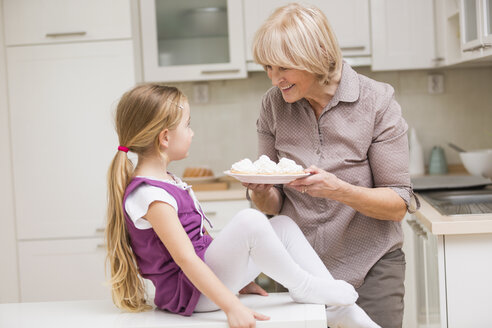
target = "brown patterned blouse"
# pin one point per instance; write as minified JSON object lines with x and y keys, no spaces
{"x":361,"y":138}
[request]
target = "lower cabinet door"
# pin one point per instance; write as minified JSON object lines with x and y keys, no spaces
{"x":62,"y":270}
{"x":220,"y":212}
{"x":468,"y":275}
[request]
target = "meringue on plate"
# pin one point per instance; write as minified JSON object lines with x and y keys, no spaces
{"x":264,"y":165}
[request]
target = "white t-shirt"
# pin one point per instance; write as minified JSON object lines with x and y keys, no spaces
{"x":138,"y":201}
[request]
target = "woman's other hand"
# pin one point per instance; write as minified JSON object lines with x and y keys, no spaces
{"x":242,"y":317}
{"x":258,"y":188}
{"x":253,"y":288}
{"x":266,"y":198}
{"x":319,"y":184}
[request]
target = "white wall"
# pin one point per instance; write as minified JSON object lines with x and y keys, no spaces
{"x":9,"y":290}
{"x":225,"y":129}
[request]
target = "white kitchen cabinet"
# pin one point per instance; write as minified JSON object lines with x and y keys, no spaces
{"x":475,"y":27}
{"x":192,"y":40}
{"x":403,"y":35}
{"x":428,"y":251}
{"x":464,"y":31}
{"x":220,"y":212}
{"x":452,"y":279}
{"x":63,"y":270}
{"x":468,"y":274}
{"x":53,"y":21}
{"x":349,"y":19}
{"x":9,"y":291}
{"x":63,"y":139}
{"x":447,"y":24}
{"x":409,"y":313}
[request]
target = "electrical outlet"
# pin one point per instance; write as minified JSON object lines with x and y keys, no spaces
{"x":435,"y":83}
{"x":200,"y":93}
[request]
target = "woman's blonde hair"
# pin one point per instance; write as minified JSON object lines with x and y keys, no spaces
{"x":141,"y":115}
{"x":299,"y":36}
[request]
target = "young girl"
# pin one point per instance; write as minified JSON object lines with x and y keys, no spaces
{"x":155,"y":229}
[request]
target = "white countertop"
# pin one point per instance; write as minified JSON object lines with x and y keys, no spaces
{"x":439,"y":224}
{"x":218,"y":195}
{"x":283,"y":312}
{"x":434,"y":221}
{"x":235,"y":192}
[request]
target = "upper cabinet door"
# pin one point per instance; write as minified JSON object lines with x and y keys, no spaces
{"x":475,"y":28}
{"x":192,"y":40}
{"x":54,"y":21}
{"x":62,"y":98}
{"x":487,"y":23}
{"x":403,"y":34}
{"x":470,"y":25}
{"x":348,"y":18}
{"x":487,"y":27}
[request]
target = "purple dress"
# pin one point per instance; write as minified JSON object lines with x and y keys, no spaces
{"x":174,"y":292}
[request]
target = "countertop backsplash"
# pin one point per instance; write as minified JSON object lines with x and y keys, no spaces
{"x":225,"y":127}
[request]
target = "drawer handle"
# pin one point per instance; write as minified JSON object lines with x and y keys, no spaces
{"x":101,"y":246}
{"x":55,"y":35}
{"x":222,"y":71}
{"x":211,"y":213}
{"x":354,"y":48}
{"x":100,"y":230}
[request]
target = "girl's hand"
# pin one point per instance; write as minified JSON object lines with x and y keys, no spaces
{"x":319,"y":184}
{"x":253,"y":288}
{"x":242,"y":317}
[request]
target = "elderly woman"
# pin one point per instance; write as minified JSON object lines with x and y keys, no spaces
{"x":349,"y":130}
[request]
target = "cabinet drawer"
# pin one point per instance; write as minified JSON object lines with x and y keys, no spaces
{"x":53,"y":21}
{"x":59,"y":270}
{"x":220,"y":212}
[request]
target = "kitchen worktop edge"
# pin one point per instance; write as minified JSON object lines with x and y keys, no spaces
{"x":439,"y":224}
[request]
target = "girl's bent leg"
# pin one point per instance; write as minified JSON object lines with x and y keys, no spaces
{"x":299,"y":247}
{"x":249,"y":234}
{"x":302,"y":252}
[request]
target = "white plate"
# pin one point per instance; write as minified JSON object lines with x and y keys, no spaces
{"x":266,"y":178}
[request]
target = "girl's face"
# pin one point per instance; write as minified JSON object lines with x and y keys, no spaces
{"x":294,"y":84}
{"x":180,"y":138}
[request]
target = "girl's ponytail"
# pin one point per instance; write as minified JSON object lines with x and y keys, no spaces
{"x":127,"y":287}
{"x":141,"y":115}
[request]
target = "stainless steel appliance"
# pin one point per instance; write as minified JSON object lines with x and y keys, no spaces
{"x":461,"y":202}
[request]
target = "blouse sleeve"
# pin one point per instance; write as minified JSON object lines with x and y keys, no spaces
{"x":138,"y":202}
{"x":389,"y":154}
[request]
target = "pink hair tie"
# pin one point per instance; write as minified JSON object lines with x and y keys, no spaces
{"x":123,"y":149}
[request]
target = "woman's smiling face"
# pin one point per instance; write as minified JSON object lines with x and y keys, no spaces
{"x":295,"y":84}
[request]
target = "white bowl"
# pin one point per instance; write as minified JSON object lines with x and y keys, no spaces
{"x":478,"y":162}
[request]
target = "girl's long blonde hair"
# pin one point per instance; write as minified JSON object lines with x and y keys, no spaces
{"x":141,"y":115}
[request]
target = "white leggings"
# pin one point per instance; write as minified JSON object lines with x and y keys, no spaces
{"x":250,"y":244}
